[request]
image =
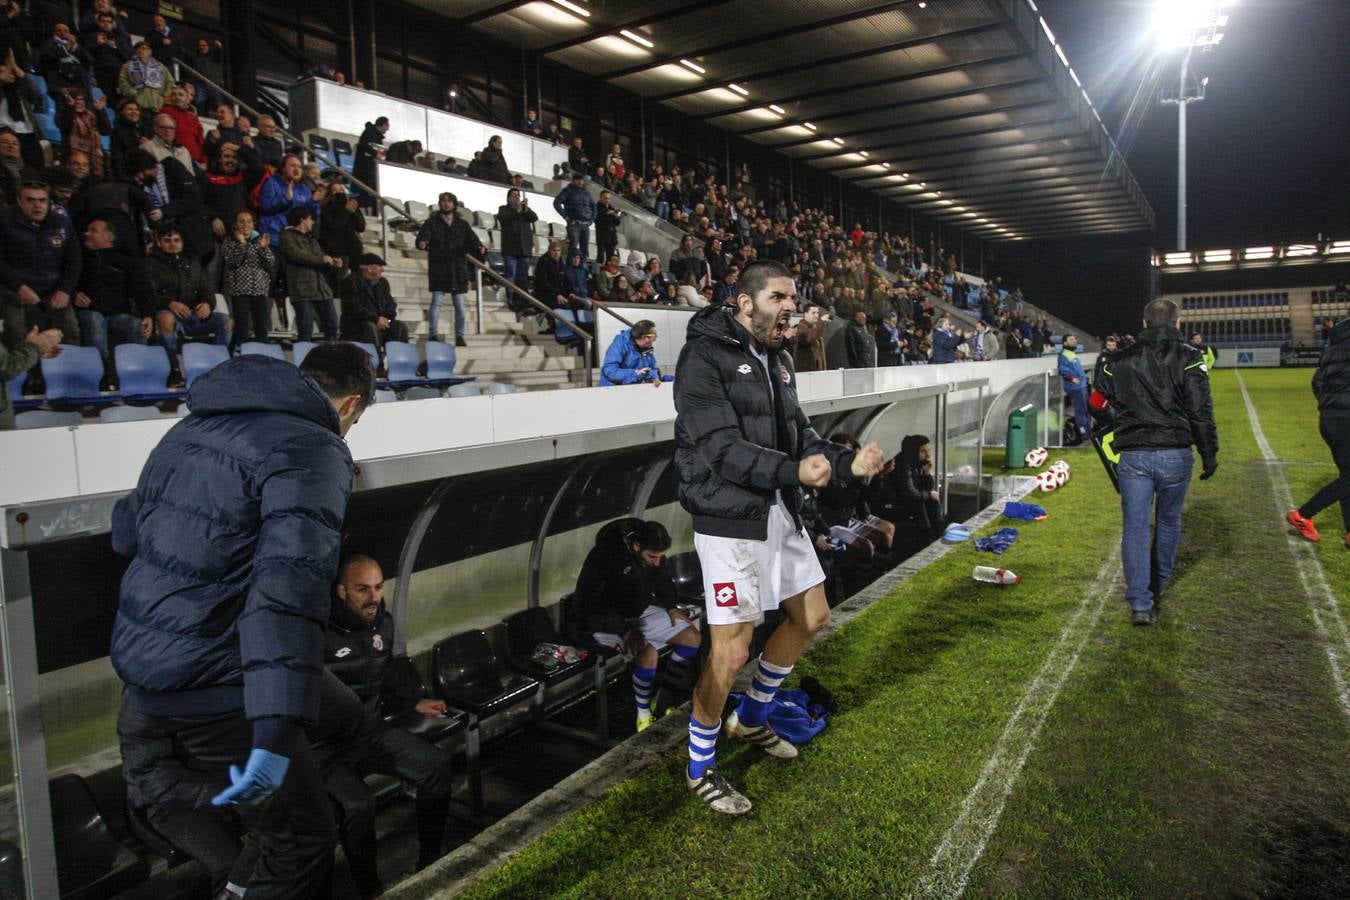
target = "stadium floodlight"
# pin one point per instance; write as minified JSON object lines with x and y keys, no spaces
{"x":693,"y":66}
{"x":574,"y":8}
{"x":1187,"y":25}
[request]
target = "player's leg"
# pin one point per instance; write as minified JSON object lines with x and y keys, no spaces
{"x":730,"y":647}
{"x":644,"y":676}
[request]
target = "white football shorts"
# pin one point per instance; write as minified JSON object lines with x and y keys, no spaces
{"x":743,"y":579}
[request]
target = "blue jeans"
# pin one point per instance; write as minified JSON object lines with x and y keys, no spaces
{"x":434,"y":316}
{"x":95,"y":327}
{"x":304,"y":318}
{"x":663,"y":209}
{"x":1153,"y":485}
{"x":517,"y":269}
{"x":579,"y":239}
{"x":217,"y":325}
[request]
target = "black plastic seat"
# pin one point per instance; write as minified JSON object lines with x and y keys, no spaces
{"x":429,"y":728}
{"x":139,"y":825}
{"x":528,"y":629}
{"x":469,"y":677}
{"x":90,"y":862}
{"x":687,"y":573}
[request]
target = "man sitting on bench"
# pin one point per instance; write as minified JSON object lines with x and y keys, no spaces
{"x":359,"y":650}
{"x":626,"y":602}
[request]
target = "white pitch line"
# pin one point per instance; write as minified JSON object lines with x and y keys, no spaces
{"x":1321,"y":600}
{"x":963,"y":844}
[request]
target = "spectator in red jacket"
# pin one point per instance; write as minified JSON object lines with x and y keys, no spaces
{"x":188,"y":132}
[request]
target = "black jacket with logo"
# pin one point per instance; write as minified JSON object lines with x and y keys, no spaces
{"x":362,"y":657}
{"x":615,"y":585}
{"x":1159,"y":392}
{"x":739,"y":435}
{"x":1331,"y":381}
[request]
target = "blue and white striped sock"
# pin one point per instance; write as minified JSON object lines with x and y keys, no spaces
{"x":684,"y":654}
{"x":642,"y":689}
{"x":754,"y":709}
{"x":702,"y":746}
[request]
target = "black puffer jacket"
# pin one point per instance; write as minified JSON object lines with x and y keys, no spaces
{"x":362,"y":657}
{"x":615,"y":585}
{"x":517,"y":230}
{"x":1159,"y":392}
{"x":739,"y":435}
{"x":1331,"y":381}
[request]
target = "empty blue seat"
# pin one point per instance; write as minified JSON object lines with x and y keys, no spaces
{"x":198,"y":359}
{"x":261,"y":348}
{"x":385,"y":397}
{"x":16,"y":398}
{"x":73,"y":376}
{"x":143,"y":373}
{"x":372,"y":351}
{"x":441,"y":364}
{"x":300,"y":349}
{"x":401,"y":361}
{"x":564,"y":335}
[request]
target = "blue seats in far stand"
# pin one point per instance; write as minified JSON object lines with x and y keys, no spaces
{"x":73,"y":376}
{"x":198,"y":359}
{"x":143,"y":373}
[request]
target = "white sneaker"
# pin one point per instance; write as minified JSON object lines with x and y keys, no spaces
{"x":713,"y":790}
{"x":761,"y":736}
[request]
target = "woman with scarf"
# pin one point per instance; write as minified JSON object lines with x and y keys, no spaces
{"x":83,"y":127}
{"x":145,"y":80}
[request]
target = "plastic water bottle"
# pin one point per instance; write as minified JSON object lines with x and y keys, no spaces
{"x":996,"y":576}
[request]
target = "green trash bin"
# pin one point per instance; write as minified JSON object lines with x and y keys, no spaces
{"x":1021,"y":429}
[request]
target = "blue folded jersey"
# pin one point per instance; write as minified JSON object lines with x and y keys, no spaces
{"x":792,"y":715}
{"x":997,"y":542}
{"x":1027,"y":511}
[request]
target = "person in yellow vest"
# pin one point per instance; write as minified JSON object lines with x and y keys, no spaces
{"x":1207,"y":353}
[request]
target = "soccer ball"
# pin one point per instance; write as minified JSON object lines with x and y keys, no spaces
{"x":1037,"y":457}
{"x":1061,"y":466}
{"x":1061,"y":476}
{"x":1046,"y":481}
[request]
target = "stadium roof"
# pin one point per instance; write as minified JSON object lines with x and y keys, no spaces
{"x":964,"y":109}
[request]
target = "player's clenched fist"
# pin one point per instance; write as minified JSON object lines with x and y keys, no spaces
{"x":868,"y":461}
{"x":814,"y":471}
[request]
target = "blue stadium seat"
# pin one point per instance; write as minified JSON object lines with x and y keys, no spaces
{"x":300,"y":349}
{"x":129,"y":414}
{"x":441,"y":364}
{"x":401,"y":361}
{"x":74,"y":375}
{"x":385,"y":397}
{"x":372,"y":351}
{"x":16,"y":398}
{"x":198,"y":359}
{"x":143,"y":372}
{"x":318,"y":142}
{"x":564,"y":335}
{"x":261,"y":348}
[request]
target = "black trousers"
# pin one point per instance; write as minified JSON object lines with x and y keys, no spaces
{"x":174,"y":765}
{"x":1336,"y":432}
{"x":394,"y":752}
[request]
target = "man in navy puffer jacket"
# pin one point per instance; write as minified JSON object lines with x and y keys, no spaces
{"x":234,"y":531}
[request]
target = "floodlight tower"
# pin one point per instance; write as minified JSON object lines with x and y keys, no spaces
{"x":1187,"y":25}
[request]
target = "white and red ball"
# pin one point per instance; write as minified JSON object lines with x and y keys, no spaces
{"x":1037,"y":457}
{"x":1046,"y":481}
{"x":1062,"y":467}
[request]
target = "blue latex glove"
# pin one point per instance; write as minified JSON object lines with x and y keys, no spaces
{"x":260,"y":778}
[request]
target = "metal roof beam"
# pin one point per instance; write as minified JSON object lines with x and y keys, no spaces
{"x":637,"y":22}
{"x":760,"y":38}
{"x":485,"y":14}
{"x":1004,"y":164}
{"x":914,"y":123}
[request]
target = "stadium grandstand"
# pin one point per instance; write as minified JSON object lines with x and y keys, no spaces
{"x":395,"y":390}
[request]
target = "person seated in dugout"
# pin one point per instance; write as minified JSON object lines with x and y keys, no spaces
{"x":627,"y":602}
{"x":843,"y":505}
{"x":913,"y":488}
{"x":359,"y":650}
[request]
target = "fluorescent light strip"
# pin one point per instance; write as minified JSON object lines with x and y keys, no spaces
{"x":637,"y":38}
{"x":774,"y":107}
{"x":693,"y":67}
{"x":738,"y":89}
{"x":839,"y":141}
{"x":808,"y":126}
{"x":573,"y":8}
{"x":863,"y":154}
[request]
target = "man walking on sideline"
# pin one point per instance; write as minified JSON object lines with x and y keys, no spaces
{"x":743,"y":449}
{"x":1331,"y":385}
{"x":234,"y":529}
{"x":1159,"y":391}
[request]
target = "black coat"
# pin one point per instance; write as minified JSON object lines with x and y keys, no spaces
{"x":106,"y":278}
{"x":494,"y":166}
{"x":160,"y":279}
{"x":448,"y":245}
{"x":363,"y":302}
{"x":186,"y":209}
{"x":551,"y":281}
{"x":362,"y":657}
{"x":739,"y":435}
{"x":860,"y":347}
{"x":363,"y":167}
{"x":615,"y":585}
{"x":517,"y":227}
{"x":1158,"y":390}
{"x":1331,"y":381}
{"x":126,"y":136}
{"x":340,"y":231}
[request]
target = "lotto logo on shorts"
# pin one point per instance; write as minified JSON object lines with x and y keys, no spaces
{"x":725,"y":594}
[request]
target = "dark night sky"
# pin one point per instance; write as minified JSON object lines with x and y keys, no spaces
{"x":1268,"y":148}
